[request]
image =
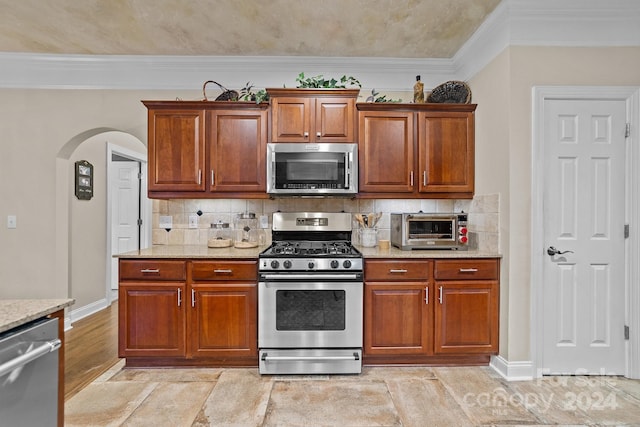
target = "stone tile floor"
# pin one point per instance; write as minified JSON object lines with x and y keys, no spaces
{"x":385,"y":396}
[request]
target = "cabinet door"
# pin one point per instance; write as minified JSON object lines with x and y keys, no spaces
{"x":237,"y":148}
{"x":446,"y":152}
{"x":466,"y":317}
{"x":290,"y":119}
{"x":386,"y":151}
{"x":224,"y":320}
{"x":334,"y":120}
{"x":152,"y":319}
{"x":176,"y":150}
{"x":397,"y":318}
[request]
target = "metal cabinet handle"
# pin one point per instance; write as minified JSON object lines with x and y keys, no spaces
{"x":179,"y":297}
{"x":306,"y":134}
{"x":468,"y":270}
{"x":199,"y":176}
{"x":150,"y":270}
{"x":213,"y":177}
{"x":411,"y":178}
{"x":440,"y":297}
{"x":401,"y":271}
{"x":426,"y":295}
{"x":223,"y":271}
{"x":424,"y":178}
{"x":193,"y":297}
{"x":318,"y":134}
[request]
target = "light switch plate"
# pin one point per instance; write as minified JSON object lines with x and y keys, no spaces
{"x":12,"y":221}
{"x":264,"y":221}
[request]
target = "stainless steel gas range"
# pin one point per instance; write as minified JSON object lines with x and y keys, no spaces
{"x":310,"y":296}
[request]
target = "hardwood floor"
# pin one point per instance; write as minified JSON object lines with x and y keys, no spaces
{"x":91,"y":349}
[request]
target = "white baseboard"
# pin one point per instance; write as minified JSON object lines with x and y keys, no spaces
{"x":512,"y":371}
{"x":87,"y":310}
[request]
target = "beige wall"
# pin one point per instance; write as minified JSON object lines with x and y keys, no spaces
{"x":503,"y":91}
{"x":40,"y":126}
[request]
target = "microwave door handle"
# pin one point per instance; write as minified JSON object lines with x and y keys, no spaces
{"x":348,"y":158}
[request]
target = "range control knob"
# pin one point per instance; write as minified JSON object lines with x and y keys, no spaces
{"x":463,"y":230}
{"x":275,"y":264}
{"x":287,"y":264}
{"x":311,"y":265}
{"x":346,"y":263}
{"x":335,"y":264}
{"x":464,"y":239}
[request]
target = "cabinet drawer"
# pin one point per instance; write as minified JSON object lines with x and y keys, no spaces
{"x":468,"y":269}
{"x":393,"y":270}
{"x":224,"y":270}
{"x":152,"y":270}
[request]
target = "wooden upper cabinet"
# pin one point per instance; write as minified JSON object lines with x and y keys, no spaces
{"x":176,"y":150}
{"x":313,"y":115}
{"x":446,"y":147}
{"x":237,"y":142}
{"x":207,"y":149}
{"x":416,"y":150}
{"x":386,"y":151}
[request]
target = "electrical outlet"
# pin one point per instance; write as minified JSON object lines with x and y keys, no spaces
{"x":193,"y":221}
{"x":264,"y":221}
{"x":12,"y":221}
{"x":166,"y":222}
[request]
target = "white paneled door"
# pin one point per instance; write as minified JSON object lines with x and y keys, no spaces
{"x":125,"y":205}
{"x":584,"y":219}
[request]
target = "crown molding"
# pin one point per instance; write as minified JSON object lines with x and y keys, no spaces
{"x":512,"y":23}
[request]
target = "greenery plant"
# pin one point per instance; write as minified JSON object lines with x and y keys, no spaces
{"x":375,"y":98}
{"x":247,"y":94}
{"x":321,"y":82}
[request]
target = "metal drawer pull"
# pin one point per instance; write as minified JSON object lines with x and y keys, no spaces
{"x":179,"y":297}
{"x":266,"y":357}
{"x":193,"y":297}
{"x":150,"y":270}
{"x":440,"y":297}
{"x":426,"y":295}
{"x":223,"y":271}
{"x":400,"y":270}
{"x":468,"y":270}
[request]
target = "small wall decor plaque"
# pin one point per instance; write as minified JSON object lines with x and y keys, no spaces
{"x":84,"y":180}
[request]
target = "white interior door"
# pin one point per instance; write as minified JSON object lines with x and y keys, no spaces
{"x":584,"y":214}
{"x":125,"y":213}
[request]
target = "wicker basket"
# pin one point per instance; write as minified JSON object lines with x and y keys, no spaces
{"x":451,"y":92}
{"x":226,"y":95}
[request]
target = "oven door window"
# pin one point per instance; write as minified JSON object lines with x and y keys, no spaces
{"x":310,"y":170}
{"x":431,"y":229}
{"x":308,"y":310}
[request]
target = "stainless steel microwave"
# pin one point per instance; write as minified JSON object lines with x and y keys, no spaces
{"x":299,"y":169}
{"x":429,"y":231}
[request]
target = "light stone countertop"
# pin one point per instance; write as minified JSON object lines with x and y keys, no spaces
{"x":16,"y":312}
{"x":202,"y":251}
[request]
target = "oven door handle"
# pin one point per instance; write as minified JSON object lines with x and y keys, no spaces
{"x":314,"y":277}
{"x":265,"y":357}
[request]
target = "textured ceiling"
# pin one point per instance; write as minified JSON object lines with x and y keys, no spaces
{"x":341,"y":28}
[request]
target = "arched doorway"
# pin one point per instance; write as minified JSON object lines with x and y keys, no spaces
{"x":81,"y":225}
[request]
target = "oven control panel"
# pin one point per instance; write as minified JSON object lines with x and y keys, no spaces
{"x":315,"y":264}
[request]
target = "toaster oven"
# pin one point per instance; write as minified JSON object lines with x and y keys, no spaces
{"x":429,"y":231}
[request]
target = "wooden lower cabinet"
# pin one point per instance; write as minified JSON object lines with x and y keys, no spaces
{"x":208,"y":319}
{"x":151,"y":320}
{"x":431,"y":311}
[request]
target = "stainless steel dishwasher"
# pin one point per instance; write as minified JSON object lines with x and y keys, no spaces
{"x":29,"y":374}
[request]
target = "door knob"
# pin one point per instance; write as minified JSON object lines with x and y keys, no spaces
{"x":553,"y":251}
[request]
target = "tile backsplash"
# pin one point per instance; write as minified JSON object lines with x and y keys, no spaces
{"x":484,"y":220}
